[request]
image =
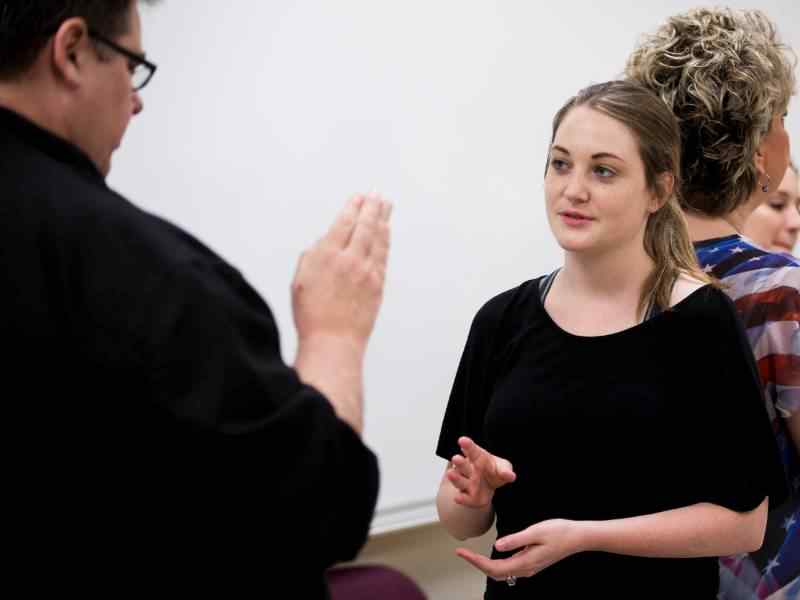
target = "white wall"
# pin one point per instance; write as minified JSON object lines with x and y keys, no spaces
{"x":265,"y":116}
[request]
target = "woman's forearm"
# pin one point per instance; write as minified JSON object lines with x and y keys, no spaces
{"x":462,"y":522}
{"x":692,"y":531}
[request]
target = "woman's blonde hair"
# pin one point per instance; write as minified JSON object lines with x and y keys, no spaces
{"x":725,"y":75}
{"x":666,"y":237}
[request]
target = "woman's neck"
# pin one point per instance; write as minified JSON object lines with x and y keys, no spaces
{"x":703,"y":227}
{"x":599,"y":294}
{"x":615,"y":274}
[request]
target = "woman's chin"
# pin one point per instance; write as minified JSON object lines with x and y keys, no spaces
{"x":570,"y":244}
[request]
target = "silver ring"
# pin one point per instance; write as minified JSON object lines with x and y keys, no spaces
{"x":511,"y":581}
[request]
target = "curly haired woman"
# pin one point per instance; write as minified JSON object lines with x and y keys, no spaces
{"x":728,"y":78}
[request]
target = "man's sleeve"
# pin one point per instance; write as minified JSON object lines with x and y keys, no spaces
{"x":278,"y":461}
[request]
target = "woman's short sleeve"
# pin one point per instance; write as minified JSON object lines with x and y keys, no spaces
{"x":472,"y":387}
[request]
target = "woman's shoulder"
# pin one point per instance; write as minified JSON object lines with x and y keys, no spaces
{"x":511,"y":305}
{"x":706,"y":324}
{"x":703,"y":302}
{"x":685,"y":286}
{"x":745,"y":266}
{"x":499,"y":303}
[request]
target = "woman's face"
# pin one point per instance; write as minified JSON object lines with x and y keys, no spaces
{"x":595,"y":188}
{"x":775,"y":224}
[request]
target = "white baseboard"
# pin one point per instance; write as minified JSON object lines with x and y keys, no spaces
{"x":411,"y":514}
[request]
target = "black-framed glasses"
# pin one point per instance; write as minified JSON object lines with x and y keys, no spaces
{"x":142,"y":70}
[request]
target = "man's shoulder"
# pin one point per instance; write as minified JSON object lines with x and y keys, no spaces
{"x":47,"y":190}
{"x":79,"y":218}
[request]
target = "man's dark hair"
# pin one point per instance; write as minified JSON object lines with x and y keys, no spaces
{"x":26,"y":26}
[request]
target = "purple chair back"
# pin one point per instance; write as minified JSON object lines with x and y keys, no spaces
{"x":372,"y":582}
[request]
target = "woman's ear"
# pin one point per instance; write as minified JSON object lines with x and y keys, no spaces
{"x":70,"y":44}
{"x":760,"y":162}
{"x":666,"y":187}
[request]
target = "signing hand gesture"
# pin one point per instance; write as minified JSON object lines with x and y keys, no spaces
{"x":476,"y":474}
{"x":338,"y":287}
{"x":538,"y":547}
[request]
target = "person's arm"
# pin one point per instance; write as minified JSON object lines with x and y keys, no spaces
{"x":692,"y":531}
{"x":786,"y":373}
{"x":779,"y":352}
{"x":773,"y":317}
{"x":334,"y":365}
{"x":250,"y":424}
{"x":336,"y":294}
{"x":464,"y":500}
{"x":464,"y":496}
{"x":699,"y":530}
{"x":462,"y":522}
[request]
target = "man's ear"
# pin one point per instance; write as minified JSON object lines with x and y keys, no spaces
{"x":71,"y":45}
{"x":666,"y":185}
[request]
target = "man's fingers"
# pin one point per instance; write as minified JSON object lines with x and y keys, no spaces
{"x":298,"y":270}
{"x":380,"y":249}
{"x":365,"y":233}
{"x":386,"y":211}
{"x":341,"y":231}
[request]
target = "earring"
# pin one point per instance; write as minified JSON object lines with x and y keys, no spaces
{"x":765,"y":187}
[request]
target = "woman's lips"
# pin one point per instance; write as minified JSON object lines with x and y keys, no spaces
{"x":574,"y":219}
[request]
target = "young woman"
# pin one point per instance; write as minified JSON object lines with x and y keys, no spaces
{"x":728,"y":79}
{"x":587,"y":415}
{"x":775,"y":224}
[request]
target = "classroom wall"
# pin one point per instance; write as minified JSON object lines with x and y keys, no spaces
{"x":265,"y":116}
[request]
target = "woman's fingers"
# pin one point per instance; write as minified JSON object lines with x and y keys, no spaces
{"x":458,"y":480}
{"x":498,"y":568}
{"x":462,"y":465}
{"x":504,"y":471}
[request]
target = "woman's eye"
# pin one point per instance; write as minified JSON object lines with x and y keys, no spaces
{"x":604,"y":172}
{"x":777,"y":205}
{"x":558,"y":164}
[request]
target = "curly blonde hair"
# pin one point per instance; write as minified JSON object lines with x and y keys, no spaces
{"x":725,"y":74}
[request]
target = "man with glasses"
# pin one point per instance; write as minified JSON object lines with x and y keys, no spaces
{"x":141,"y":69}
{"x":152,"y":421}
